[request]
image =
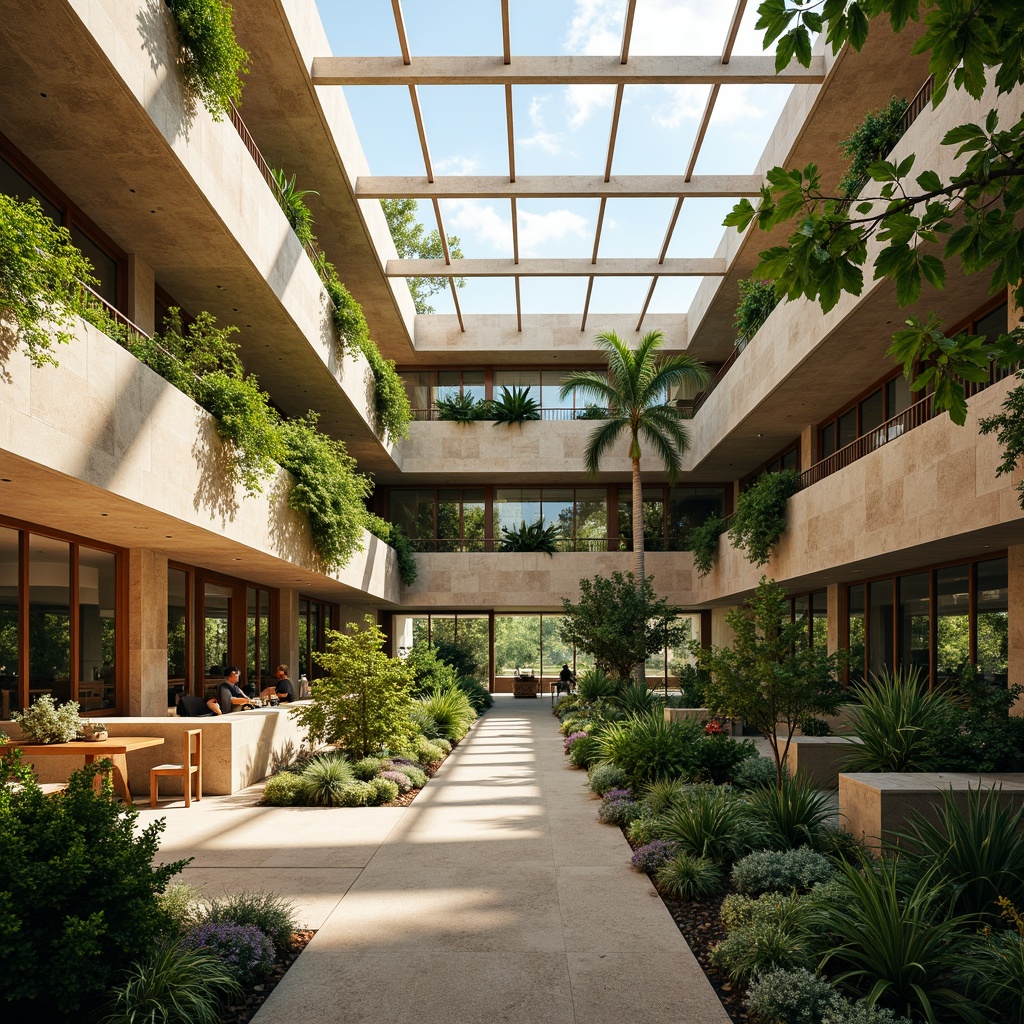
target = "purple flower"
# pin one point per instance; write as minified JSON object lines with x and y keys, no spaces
{"x":401,"y":780}
{"x":572,"y":738}
{"x":618,"y":795}
{"x":244,"y":948}
{"x":650,"y":857}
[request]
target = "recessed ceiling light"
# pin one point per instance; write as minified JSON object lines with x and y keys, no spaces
{"x":131,"y":190}
{"x":5,"y":479}
{"x":168,"y":536}
{"x":43,"y":94}
{"x":104,"y":513}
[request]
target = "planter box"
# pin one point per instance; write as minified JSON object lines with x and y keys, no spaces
{"x":818,"y":758}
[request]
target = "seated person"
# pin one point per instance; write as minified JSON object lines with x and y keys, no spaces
{"x":238,"y":696}
{"x":565,"y":680}
{"x":282,"y":689}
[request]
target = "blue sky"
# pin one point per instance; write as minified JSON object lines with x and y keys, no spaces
{"x":560,"y":130}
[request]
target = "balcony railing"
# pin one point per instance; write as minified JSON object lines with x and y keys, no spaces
{"x":590,"y":545}
{"x":434,"y":414}
{"x":316,"y":257}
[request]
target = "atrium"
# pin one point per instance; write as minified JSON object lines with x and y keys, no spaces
{"x":587,"y":187}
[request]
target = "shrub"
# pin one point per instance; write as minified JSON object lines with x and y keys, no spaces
{"x":638,"y":700}
{"x":400,"y":779}
{"x":780,"y":871}
{"x":39,"y":280}
{"x":687,"y":877}
{"x":603,"y":777}
{"x":324,"y":779}
{"x":790,"y":997}
{"x":427,"y":751}
{"x":976,"y":731}
{"x":778,"y":942}
{"x":412,"y":771}
{"x":703,"y":542}
{"x":211,"y":59}
{"x":443,"y":745}
{"x":653,"y":855}
{"x":861,"y":1012}
{"x":585,"y":752}
{"x":184,"y":906}
{"x":272,"y":914}
{"x":618,"y":808}
{"x":740,"y":911}
{"x":477,"y":694}
{"x":791,"y":816}
{"x":993,"y":974}
{"x":514,"y":406}
{"x":899,"y":945}
{"x":710,"y":822}
{"x":79,"y":896}
{"x":893,"y":716}
{"x":246,"y":951}
{"x":367,"y":768}
{"x":644,"y":828}
{"x":870,"y":142}
{"x":355,"y":794}
{"x":754,"y":772}
{"x":46,"y":721}
{"x":717,"y":757}
{"x":647,"y":748}
{"x":569,"y":740}
{"x":451,"y":710}
{"x":173,"y":985}
{"x":664,"y":793}
{"x":284,"y":790}
{"x":595,"y":684}
{"x":363,"y":701}
{"x":382,"y":791}
{"x":976,"y":854}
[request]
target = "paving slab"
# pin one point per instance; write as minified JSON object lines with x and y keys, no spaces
{"x":495,"y":896}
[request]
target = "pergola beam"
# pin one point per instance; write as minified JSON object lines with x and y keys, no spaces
{"x":710,"y":267}
{"x":562,"y":70}
{"x":556,"y":186}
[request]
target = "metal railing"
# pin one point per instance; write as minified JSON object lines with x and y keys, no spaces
{"x":917,"y":105}
{"x":316,"y":256}
{"x":587,"y":545}
{"x":434,"y":414}
{"x":741,"y":344}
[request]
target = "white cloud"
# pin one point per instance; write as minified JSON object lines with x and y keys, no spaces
{"x":546,"y":141}
{"x":456,"y":165}
{"x":484,"y":224}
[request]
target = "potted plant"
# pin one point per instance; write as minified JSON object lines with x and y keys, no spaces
{"x":90,"y":729}
{"x":44,"y":721}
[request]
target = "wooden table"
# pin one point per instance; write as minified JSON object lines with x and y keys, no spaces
{"x":115,"y":748}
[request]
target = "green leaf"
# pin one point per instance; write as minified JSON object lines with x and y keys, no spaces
{"x":929,"y":181}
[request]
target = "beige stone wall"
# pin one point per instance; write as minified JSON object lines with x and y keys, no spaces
{"x":101,"y":426}
{"x":511,"y":581}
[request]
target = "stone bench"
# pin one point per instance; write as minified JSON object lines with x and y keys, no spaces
{"x":238,"y":749}
{"x":880,"y":804}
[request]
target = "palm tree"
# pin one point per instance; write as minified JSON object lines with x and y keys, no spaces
{"x":635,"y":393}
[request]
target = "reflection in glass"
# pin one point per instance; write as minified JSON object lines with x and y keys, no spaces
{"x":819,"y":620}
{"x":855,"y":608}
{"x":993,"y":635}
{"x":953,"y":623}
{"x":474,"y":638}
{"x":49,"y":618}
{"x":178,"y":659}
{"x":96,"y":629}
{"x":216,"y":647}
{"x":915,"y":622}
{"x":10,"y":699}
{"x":516,"y":643}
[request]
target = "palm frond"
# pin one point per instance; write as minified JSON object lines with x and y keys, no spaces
{"x":602,"y":438}
{"x":590,"y":384}
{"x":666,"y":448}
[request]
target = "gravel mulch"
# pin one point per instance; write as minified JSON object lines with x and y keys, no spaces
{"x":243,"y":1012}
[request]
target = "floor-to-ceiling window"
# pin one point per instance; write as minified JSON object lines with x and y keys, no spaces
{"x":938,"y":620}
{"x":59,"y":620}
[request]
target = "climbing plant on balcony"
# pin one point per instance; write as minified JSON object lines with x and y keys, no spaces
{"x":40,"y":271}
{"x":391,"y":404}
{"x":760,"y":517}
{"x":757,"y":300}
{"x":870,"y":142}
{"x":292,"y":200}
{"x":393,"y":534}
{"x":704,"y":543}
{"x":211,"y":60}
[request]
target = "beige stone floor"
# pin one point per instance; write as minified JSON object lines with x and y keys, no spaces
{"x":495,"y":896}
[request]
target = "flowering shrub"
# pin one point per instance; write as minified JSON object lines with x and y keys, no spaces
{"x":651,"y":857}
{"x":243,"y":948}
{"x":714,"y":727}
{"x":571,"y":739}
{"x":400,"y":779}
{"x":618,"y":808}
{"x":603,"y":777}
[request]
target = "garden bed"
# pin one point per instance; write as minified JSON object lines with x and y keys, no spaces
{"x":243,"y":1012}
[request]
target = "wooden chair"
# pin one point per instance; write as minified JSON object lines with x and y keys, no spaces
{"x":192,"y":764}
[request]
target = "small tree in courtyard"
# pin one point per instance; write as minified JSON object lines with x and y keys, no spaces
{"x":771,"y":677}
{"x":621,"y":622}
{"x":363,"y":702}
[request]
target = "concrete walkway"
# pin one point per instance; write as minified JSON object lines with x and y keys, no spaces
{"x":495,"y":896}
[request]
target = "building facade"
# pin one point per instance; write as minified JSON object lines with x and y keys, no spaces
{"x":131,"y":568}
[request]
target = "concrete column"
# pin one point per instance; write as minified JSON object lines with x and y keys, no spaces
{"x":722,"y":634}
{"x":141,"y":294}
{"x":1015,"y":579}
{"x":808,"y":456}
{"x":288,"y":630}
{"x":147,"y":632}
{"x":835,"y":606}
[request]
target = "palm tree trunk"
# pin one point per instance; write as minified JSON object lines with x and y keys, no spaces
{"x":638,"y":551}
